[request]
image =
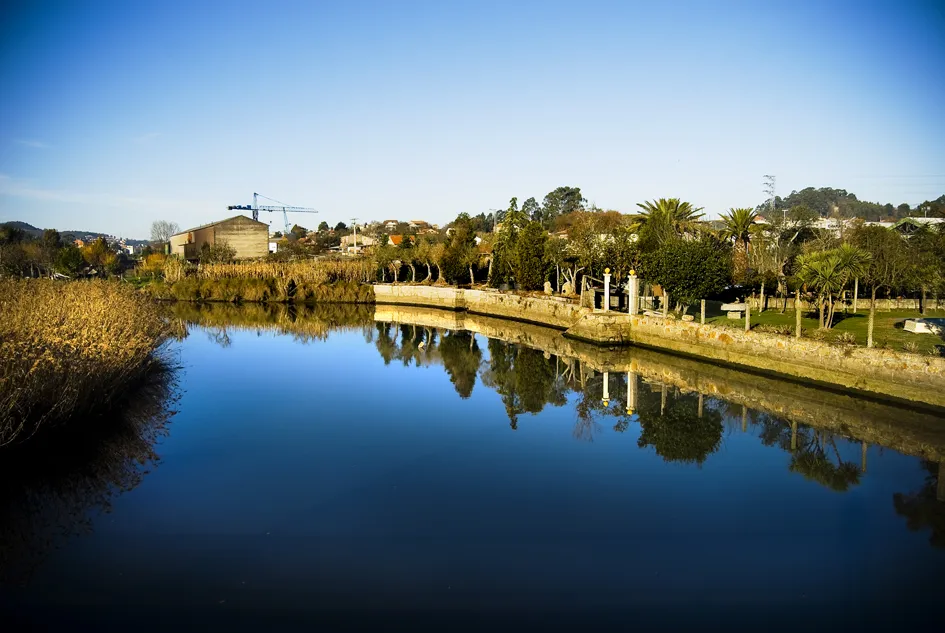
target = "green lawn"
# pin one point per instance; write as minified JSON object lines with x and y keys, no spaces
{"x":887,"y":330}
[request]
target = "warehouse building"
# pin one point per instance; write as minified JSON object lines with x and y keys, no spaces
{"x":249,"y":238}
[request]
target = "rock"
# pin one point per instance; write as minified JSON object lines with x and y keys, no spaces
{"x":734,"y":315}
{"x":687,"y":317}
{"x":548,"y":290}
{"x":566,"y":289}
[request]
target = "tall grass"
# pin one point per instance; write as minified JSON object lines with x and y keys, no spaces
{"x":71,"y":349}
{"x":321,"y":271}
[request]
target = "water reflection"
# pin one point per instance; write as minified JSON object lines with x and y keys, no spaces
{"x":681,"y":409}
{"x":50,"y":490}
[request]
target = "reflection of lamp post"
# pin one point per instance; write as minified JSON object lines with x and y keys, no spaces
{"x":606,"y":399}
{"x":631,"y":392}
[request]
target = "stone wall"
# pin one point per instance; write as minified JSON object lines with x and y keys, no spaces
{"x":902,"y":375}
{"x":862,"y":305}
{"x":552,"y":311}
{"x":898,"y":374}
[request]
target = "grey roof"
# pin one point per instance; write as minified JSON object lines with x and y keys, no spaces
{"x":209,"y":224}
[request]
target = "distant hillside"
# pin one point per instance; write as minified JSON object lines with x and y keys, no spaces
{"x":23,"y":226}
{"x":70,"y":235}
{"x":827,"y":201}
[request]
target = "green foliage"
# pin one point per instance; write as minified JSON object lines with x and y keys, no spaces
{"x":561,"y":201}
{"x":218,"y":253}
{"x":689,"y":270}
{"x":69,"y":260}
{"x":529,"y":268}
{"x":665,"y":219}
{"x":323,"y":226}
{"x":460,"y":253}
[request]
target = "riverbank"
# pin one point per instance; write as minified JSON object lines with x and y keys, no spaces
{"x":901,"y":375}
{"x":260,"y":290}
{"x":69,"y":350}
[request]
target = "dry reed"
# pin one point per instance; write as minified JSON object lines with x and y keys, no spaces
{"x":69,"y":349}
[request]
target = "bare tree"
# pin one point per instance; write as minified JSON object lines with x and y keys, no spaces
{"x":162,"y":230}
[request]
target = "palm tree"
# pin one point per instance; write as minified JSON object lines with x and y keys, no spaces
{"x":828,"y":273}
{"x":667,"y":218}
{"x":738,"y":226}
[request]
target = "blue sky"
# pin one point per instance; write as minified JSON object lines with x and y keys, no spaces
{"x":119,"y":113}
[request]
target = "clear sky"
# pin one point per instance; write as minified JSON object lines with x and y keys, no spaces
{"x":118,"y":113}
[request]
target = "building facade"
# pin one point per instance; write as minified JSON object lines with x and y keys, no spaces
{"x":249,"y":238}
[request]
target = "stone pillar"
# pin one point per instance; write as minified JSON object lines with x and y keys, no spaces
{"x":606,"y":289}
{"x":606,"y":399}
{"x":747,"y":316}
{"x":631,"y":392}
{"x":700,"y":405}
{"x":793,"y":436}
{"x":633,"y":293}
{"x":665,"y":303}
{"x":662,"y":398}
{"x":864,"y":446}
{"x":856,"y":292}
{"x":744,"y":419}
{"x":702,"y":316}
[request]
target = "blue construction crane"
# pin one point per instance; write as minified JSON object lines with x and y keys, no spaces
{"x":281,"y":206}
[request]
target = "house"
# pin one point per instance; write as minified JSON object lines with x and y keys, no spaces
{"x":908,"y":226}
{"x":247,"y":237}
{"x":349,"y":245}
{"x":390,"y":225}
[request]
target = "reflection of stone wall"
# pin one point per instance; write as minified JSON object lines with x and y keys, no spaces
{"x":901,"y":375}
{"x":906,"y":430}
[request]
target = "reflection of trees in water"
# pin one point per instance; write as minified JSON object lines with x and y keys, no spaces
{"x":49,"y":490}
{"x":525,"y":378}
{"x":304,"y":322}
{"x":925,"y":507}
{"x":461,"y":357}
{"x":814,"y":452}
{"x":671,"y":423}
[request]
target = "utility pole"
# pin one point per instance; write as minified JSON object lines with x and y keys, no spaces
{"x":770,"y":191}
{"x":354,"y":225}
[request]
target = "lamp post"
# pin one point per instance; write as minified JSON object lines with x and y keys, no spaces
{"x":606,"y":289}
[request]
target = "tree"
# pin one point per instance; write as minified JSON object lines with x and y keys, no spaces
{"x":665,"y":219}
{"x":461,"y":357}
{"x":100,"y":256}
{"x":679,"y":433}
{"x":689,"y":270}
{"x":218,"y":253}
{"x":69,"y":260}
{"x":529,"y":268}
{"x":887,"y":265}
{"x":323,"y":226}
{"x":561,"y":201}
{"x":298,"y":231}
{"x":162,"y":230}
{"x":738,"y":228}
{"x":460,"y":254}
{"x":828,"y":272}
{"x":531,"y":208}
{"x":341,"y":226}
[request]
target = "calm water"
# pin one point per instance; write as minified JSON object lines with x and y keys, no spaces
{"x":330,"y":463}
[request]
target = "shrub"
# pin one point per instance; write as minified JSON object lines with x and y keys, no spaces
{"x":912,"y":347}
{"x":71,"y":348}
{"x":846,"y":338}
{"x":783,"y":330}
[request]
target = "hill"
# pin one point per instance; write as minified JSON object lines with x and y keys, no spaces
{"x":826,"y":201}
{"x":69,"y":235}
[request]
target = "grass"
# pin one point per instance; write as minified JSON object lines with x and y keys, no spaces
{"x":69,"y":349}
{"x":261,"y":290}
{"x":887,"y":328}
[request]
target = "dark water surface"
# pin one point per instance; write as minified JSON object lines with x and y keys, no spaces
{"x":327,"y":463}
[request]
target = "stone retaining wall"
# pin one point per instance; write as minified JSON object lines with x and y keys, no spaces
{"x":898,"y":374}
{"x":552,"y":311}
{"x":902,"y":375}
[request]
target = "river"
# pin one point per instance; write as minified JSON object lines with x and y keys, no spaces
{"x":334,"y":462}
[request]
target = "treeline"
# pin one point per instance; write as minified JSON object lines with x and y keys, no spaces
{"x":23,"y":254}
{"x":827,"y":202}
